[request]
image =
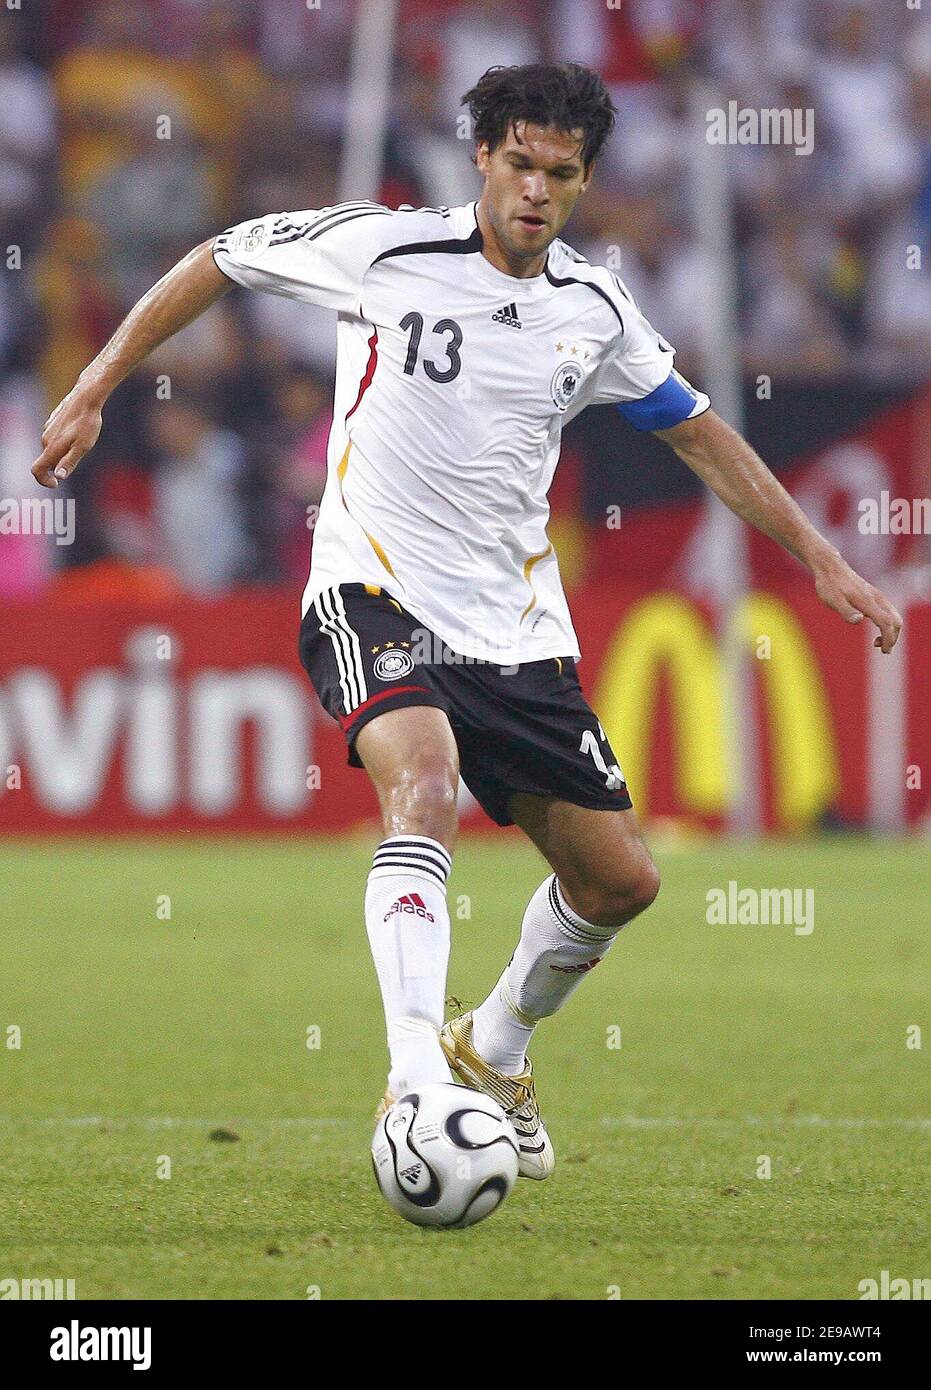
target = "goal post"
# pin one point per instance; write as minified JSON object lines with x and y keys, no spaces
{"x":725,"y":558}
{"x":368,"y":107}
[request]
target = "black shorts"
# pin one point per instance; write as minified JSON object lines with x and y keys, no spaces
{"x":524,"y":728}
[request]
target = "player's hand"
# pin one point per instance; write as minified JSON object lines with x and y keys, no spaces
{"x":72,"y":428}
{"x":842,"y":589}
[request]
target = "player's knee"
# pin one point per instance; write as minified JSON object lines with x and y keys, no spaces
{"x":645,"y":886}
{"x":616,"y":898}
{"x":421,"y":799}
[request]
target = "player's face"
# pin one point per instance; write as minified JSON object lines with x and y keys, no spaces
{"x":532,"y":181}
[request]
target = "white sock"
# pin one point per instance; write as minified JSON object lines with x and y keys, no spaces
{"x":557,"y":948}
{"x":408,"y":929}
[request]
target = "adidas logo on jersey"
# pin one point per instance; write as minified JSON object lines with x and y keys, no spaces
{"x":507,"y":315}
{"x":413,"y":904}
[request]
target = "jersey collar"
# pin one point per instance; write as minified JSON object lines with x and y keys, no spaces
{"x":530,"y":287}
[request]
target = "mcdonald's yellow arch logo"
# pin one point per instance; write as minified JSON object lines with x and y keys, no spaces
{"x":668,"y":633}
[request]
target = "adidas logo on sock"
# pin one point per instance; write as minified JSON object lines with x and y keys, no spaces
{"x":507,"y":315}
{"x":413,"y":904}
{"x":576,"y":969}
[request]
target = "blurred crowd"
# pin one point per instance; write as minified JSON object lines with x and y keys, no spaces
{"x":131,"y":131}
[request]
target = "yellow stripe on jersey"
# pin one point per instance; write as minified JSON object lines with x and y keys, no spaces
{"x":375,"y":590}
{"x":528,"y":570}
{"x":341,"y":472}
{"x":381,"y":554}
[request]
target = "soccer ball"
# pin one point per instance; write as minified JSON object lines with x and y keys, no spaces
{"x":444,"y":1155}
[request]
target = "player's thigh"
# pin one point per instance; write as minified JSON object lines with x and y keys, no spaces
{"x":599,"y":856}
{"x":357,"y":646}
{"x":411,"y":757}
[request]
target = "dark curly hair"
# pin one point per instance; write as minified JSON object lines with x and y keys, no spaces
{"x":567,"y":96}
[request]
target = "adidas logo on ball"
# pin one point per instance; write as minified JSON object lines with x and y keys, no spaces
{"x":445,"y":1155}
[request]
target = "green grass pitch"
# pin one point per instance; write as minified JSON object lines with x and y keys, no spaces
{"x":141,"y":1037}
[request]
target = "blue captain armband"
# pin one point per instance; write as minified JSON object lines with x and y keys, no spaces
{"x":669,"y":404}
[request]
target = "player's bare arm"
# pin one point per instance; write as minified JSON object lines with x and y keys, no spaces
{"x":736,"y":473}
{"x":176,"y":300}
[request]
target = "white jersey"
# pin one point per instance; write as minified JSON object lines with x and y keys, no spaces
{"x":453,"y":383}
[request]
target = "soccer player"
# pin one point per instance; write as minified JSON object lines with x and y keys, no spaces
{"x":434,"y":626}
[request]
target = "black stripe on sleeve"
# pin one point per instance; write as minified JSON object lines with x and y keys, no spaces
{"x":285,"y":229}
{"x":571,"y":280}
{"x":623,"y":289}
{"x":312,"y":235}
{"x":452,"y":247}
{"x":350,"y":217}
